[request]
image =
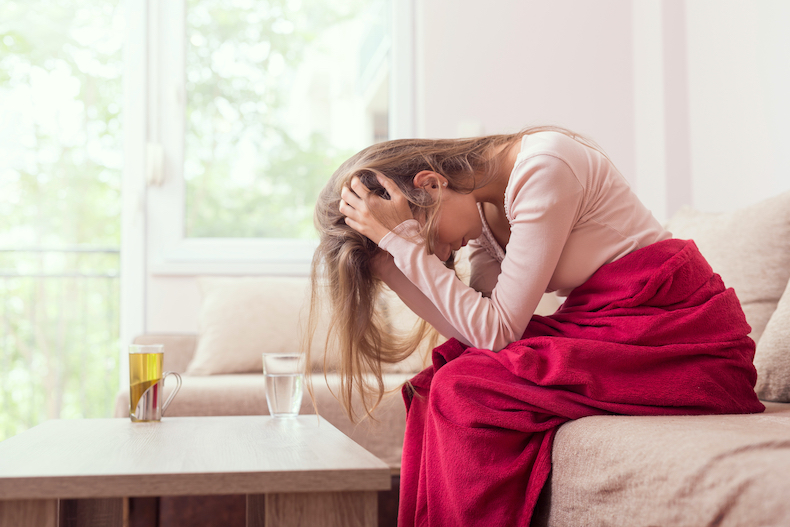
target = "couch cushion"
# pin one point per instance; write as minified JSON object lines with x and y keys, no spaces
{"x":239,"y":394}
{"x":772,"y":359}
{"x":242,"y":317}
{"x":749,"y":248}
{"x":382,"y":435}
{"x":679,"y":471}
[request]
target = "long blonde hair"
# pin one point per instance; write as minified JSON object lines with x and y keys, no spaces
{"x":359,"y":339}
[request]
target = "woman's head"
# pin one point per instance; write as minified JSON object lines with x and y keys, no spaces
{"x":464,"y":164}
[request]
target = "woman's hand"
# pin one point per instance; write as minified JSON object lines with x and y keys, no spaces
{"x":372,"y":215}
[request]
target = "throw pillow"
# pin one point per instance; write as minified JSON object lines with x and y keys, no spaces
{"x":772,"y":359}
{"x":242,"y":317}
{"x":749,"y":248}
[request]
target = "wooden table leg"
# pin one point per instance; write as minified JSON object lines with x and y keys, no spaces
{"x":28,"y":513}
{"x":94,"y":512}
{"x":256,"y":510}
{"x":318,"y":509}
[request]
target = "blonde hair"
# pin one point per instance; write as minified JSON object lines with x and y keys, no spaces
{"x":359,"y":339}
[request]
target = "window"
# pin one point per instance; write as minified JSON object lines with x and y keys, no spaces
{"x":278,"y":94}
{"x":60,"y":178}
{"x":253,"y":105}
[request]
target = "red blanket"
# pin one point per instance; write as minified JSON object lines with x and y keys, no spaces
{"x":654,"y":333}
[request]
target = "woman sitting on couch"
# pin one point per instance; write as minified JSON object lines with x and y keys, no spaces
{"x":647,"y":327}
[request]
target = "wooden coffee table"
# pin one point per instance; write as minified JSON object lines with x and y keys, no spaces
{"x":300,"y":471}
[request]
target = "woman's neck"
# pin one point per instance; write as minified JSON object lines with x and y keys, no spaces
{"x":494,"y":190}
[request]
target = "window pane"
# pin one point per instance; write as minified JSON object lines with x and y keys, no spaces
{"x":279,"y":93}
{"x":60,"y":178}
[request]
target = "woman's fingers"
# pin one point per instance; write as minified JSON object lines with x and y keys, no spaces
{"x":354,"y":205}
{"x":398,"y":205}
{"x":390,"y":186}
{"x":359,"y":188}
{"x":370,"y":214}
{"x":356,"y":194}
{"x":348,"y":198}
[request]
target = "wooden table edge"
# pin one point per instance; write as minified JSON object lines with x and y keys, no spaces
{"x":191,"y":484}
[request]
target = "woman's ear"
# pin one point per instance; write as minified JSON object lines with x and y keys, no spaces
{"x":429,"y":180}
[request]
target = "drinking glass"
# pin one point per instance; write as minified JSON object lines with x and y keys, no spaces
{"x":284,"y":377}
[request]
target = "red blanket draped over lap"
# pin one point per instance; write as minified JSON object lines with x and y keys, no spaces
{"x":654,"y":333}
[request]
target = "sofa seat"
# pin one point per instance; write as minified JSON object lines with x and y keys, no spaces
{"x":680,"y":471}
{"x":244,"y":394}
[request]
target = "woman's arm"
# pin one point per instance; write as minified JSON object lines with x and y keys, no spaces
{"x":484,"y":272}
{"x":411,"y":295}
{"x":546,"y":201}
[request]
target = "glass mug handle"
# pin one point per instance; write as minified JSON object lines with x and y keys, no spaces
{"x":174,"y":392}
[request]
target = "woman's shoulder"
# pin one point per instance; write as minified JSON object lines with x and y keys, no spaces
{"x":550,"y":150}
{"x":550,"y":142}
{"x":546,"y":171}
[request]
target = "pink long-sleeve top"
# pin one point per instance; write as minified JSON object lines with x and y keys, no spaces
{"x":570,"y":212}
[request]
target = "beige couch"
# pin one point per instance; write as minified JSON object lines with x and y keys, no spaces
{"x":610,"y":470}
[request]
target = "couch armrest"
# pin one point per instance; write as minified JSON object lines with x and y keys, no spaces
{"x":179,"y":349}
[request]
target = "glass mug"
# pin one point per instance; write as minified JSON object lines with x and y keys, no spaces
{"x":147,"y":383}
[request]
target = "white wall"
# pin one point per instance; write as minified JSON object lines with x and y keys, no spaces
{"x":688,"y":98}
{"x":527,"y":62}
{"x":739,"y":81}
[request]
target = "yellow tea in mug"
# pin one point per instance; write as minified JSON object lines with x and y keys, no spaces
{"x":147,"y":383}
{"x":145,"y":370}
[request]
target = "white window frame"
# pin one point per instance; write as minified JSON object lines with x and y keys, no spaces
{"x":170,"y":252}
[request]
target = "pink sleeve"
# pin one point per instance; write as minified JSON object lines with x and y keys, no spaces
{"x":415,"y":299}
{"x":544,"y":202}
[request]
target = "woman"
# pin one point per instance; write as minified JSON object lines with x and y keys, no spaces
{"x":647,"y":328}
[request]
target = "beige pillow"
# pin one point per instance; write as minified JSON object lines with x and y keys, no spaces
{"x":243,"y":317}
{"x":749,"y":248}
{"x":772,"y":359}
